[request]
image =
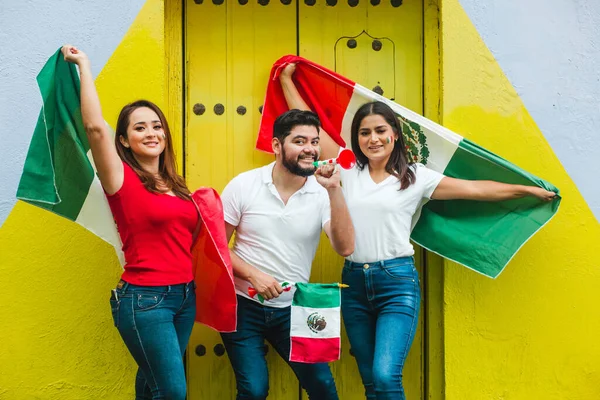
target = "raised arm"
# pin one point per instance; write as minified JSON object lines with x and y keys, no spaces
{"x":106,"y":159}
{"x":454,"y":189}
{"x":329,"y":148}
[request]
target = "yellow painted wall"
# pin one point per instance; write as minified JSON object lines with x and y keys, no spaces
{"x":57,"y":340}
{"x":530,"y":334}
{"x":533,"y":333}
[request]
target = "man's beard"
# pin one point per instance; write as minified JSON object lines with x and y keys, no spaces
{"x":294,"y":167}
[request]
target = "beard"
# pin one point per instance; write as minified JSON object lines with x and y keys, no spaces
{"x":294,"y":167}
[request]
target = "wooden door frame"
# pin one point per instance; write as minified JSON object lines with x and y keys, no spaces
{"x":432,"y":310}
{"x":433,"y":270}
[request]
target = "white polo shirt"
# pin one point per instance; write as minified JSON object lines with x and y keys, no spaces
{"x":382,"y":214}
{"x":279,"y":239}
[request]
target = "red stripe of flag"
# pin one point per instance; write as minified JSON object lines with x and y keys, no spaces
{"x":326,"y":93}
{"x":216,"y":301}
{"x":308,"y":350}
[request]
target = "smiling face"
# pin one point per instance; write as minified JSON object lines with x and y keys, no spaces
{"x":145,"y":134}
{"x":376,"y":137}
{"x":300,"y":149}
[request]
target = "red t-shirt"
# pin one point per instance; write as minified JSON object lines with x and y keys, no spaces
{"x":156,"y":231}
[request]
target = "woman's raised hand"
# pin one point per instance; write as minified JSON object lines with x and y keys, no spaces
{"x":288,"y":71}
{"x":73,"y":54}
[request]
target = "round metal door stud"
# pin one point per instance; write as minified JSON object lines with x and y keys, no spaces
{"x":377,"y":89}
{"x":376,"y":45}
{"x":200,"y":350}
{"x":310,"y":2}
{"x":199,"y":109}
{"x":351,"y":43}
{"x":241,"y":110}
{"x":217,"y":2}
{"x":331,"y":3}
{"x":375,"y":2}
{"x":260,"y":108}
{"x":198,"y":1}
{"x":219,"y":349}
{"x":243,"y":2}
{"x":219,"y":109}
{"x":286,"y":2}
{"x":263,"y":2}
{"x":396,"y":3}
{"x":352,"y":3}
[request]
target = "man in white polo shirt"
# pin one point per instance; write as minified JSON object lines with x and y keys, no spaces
{"x":278,"y":212}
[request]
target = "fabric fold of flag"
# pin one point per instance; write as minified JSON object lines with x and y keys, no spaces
{"x":483,"y":236}
{"x":315,"y":323}
{"x":216,"y":300}
{"x":58,"y":175}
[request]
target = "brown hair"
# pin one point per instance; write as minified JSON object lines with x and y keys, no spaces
{"x":398,"y":164}
{"x":167,"y":168}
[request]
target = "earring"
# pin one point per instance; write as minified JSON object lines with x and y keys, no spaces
{"x":164,"y":136}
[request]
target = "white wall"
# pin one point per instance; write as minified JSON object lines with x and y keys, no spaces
{"x":550,"y":51}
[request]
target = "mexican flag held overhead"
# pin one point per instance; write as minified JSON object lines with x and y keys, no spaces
{"x":315,"y":323}
{"x":483,"y":236}
{"x":59,"y":176}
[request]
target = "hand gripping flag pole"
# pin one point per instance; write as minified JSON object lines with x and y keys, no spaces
{"x":287,"y":286}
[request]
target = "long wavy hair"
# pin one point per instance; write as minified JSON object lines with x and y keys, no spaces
{"x":399,"y":164}
{"x":167,"y":169}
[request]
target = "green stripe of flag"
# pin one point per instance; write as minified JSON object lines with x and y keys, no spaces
{"x":317,"y":295}
{"x":486,"y":234}
{"x":57,"y":173}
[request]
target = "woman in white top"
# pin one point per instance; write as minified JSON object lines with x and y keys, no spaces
{"x":381,"y":306}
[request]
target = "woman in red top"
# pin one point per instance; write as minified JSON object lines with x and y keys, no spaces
{"x":154,"y":304}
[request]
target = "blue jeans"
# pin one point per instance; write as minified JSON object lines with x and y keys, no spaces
{"x":155,"y":323}
{"x":380,"y":311}
{"x":246,"y":351}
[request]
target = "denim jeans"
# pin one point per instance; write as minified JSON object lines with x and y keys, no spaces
{"x":155,"y":323}
{"x":246,"y":352}
{"x":380,"y":311}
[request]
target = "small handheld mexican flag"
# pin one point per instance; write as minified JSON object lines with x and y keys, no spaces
{"x":315,"y":323}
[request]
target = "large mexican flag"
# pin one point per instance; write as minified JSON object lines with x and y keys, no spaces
{"x":483,"y":236}
{"x":59,"y":176}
